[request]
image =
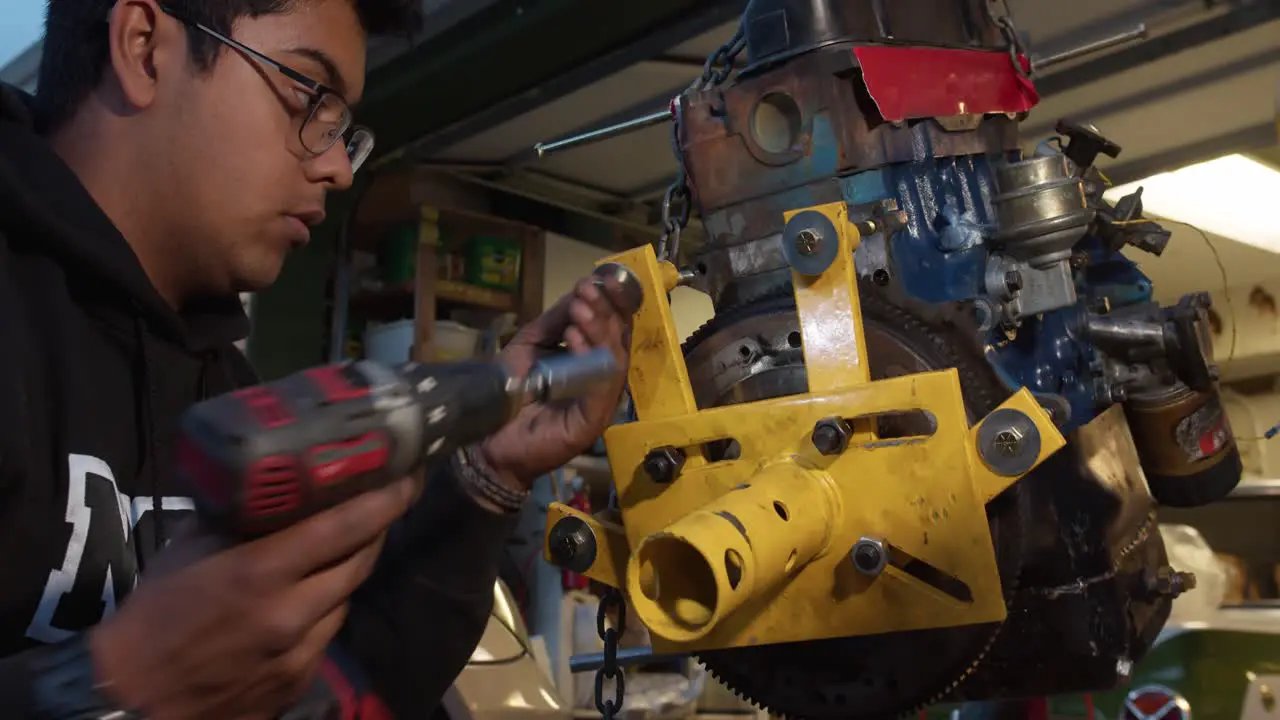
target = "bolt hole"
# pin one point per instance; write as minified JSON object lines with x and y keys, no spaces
{"x":793,"y":339}
{"x":701,"y":268}
{"x":880,"y":277}
{"x":733,"y":568}
{"x":781,"y":510}
{"x":791,"y":562}
{"x":649,"y":581}
{"x":776,"y":122}
{"x":745,"y":352}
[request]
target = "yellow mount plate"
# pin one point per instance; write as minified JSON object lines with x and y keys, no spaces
{"x":923,"y":495}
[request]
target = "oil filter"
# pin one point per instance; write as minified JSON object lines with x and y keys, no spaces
{"x":1185,"y":445}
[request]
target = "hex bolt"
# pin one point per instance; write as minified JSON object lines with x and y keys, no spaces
{"x":1167,"y":582}
{"x":1013,"y":281}
{"x":664,"y":464}
{"x":1119,"y":394}
{"x":1079,"y":261}
{"x":831,"y":436}
{"x":869,"y":556}
{"x":1008,"y":442}
{"x":807,"y":241}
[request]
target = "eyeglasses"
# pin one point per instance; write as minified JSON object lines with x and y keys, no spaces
{"x":328,"y":118}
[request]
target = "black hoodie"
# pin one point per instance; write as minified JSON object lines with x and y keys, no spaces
{"x":95,"y":370}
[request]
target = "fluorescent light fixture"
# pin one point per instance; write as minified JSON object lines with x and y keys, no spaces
{"x":1233,"y":196}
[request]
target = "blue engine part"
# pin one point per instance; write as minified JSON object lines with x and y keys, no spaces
{"x":941,"y":256}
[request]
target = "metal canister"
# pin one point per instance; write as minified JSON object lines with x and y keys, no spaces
{"x":1041,"y":209}
{"x":1185,"y":444}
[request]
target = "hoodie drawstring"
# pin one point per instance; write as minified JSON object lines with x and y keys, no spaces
{"x":146,"y":400}
{"x":145,"y":390}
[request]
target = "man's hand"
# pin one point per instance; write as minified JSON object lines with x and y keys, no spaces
{"x":239,"y":633}
{"x":542,"y":437}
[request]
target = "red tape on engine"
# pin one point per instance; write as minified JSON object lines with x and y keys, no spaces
{"x":921,"y":82}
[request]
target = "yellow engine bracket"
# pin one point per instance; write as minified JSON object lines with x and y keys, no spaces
{"x":830,"y":314}
{"x":658,"y":378}
{"x":601,"y":554}
{"x":989,"y":481}
{"x":757,"y":549}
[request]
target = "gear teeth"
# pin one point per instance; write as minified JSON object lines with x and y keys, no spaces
{"x":969,"y":362}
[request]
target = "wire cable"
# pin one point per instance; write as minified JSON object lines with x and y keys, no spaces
{"x":1217,"y":259}
{"x":1226,"y":297}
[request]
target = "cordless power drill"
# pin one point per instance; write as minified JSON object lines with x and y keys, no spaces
{"x":263,"y":458}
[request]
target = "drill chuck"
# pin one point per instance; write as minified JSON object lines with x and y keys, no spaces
{"x":564,"y":377}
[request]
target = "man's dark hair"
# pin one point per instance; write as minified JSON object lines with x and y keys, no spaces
{"x":74,"y":56}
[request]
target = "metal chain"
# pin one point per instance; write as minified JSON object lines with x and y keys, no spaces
{"x":716,"y":70}
{"x":1017,"y":50}
{"x":610,"y":670}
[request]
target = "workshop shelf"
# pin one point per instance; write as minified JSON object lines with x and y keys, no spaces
{"x":432,"y":267}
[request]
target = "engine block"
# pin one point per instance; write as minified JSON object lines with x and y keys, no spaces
{"x":873,"y":223}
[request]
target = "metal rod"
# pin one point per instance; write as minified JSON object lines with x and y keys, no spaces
{"x":604,"y":133}
{"x":627,"y":657}
{"x":539,"y":198}
{"x":1137,"y":33}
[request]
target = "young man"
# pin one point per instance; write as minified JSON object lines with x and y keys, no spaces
{"x":175,"y":152}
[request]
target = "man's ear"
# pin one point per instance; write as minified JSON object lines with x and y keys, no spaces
{"x":144,"y":42}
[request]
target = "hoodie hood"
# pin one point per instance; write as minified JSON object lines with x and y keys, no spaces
{"x":96,"y":374}
{"x":44,"y":208}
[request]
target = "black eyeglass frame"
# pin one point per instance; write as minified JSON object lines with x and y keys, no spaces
{"x":318,"y":90}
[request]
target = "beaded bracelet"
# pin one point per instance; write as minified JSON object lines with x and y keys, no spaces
{"x":478,"y":479}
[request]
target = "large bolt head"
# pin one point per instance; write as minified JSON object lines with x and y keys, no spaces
{"x":869,"y":556}
{"x":664,"y":464}
{"x":572,"y":545}
{"x":831,"y":436}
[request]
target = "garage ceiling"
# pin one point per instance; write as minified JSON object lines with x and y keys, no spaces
{"x":1205,"y":82}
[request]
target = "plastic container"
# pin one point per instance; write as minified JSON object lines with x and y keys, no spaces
{"x":455,"y":341}
{"x":389,"y":343}
{"x":493,"y":262}
{"x":392,"y":343}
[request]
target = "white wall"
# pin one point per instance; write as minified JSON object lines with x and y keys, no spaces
{"x":569,"y":260}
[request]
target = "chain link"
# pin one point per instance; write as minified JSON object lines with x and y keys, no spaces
{"x":678,"y":201}
{"x":609,"y":708}
{"x":1017,"y":50}
{"x":677,"y":204}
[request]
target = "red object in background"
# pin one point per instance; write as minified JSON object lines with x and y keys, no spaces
{"x":922,"y":82}
{"x":572,"y":580}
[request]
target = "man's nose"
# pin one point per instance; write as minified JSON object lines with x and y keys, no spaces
{"x":331,"y":168}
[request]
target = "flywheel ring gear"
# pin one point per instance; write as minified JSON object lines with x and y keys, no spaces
{"x":881,"y":676}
